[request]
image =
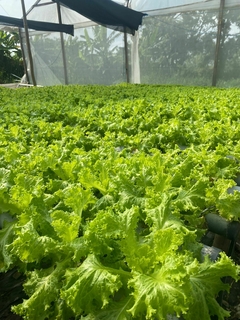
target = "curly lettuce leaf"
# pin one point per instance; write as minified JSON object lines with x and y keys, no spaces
{"x":6,"y":238}
{"x":163,"y":292}
{"x":29,"y":246}
{"x":206,"y":281}
{"x":66,"y":225}
{"x":90,"y":286}
{"x":43,"y":288}
{"x":117,"y":310}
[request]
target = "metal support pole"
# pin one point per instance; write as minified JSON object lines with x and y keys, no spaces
{"x":62,"y":45}
{"x":23,"y":55}
{"x":126,"y":56}
{"x":28,"y":43}
{"x":219,"y":33}
{"x":126,"y":52}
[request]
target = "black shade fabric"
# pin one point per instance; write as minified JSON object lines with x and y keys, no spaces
{"x":37,"y":25}
{"x":107,"y":13}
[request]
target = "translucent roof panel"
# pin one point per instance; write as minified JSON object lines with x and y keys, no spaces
{"x":179,"y":5}
{"x":13,"y":8}
{"x":147,"y":5}
{"x":48,"y":13}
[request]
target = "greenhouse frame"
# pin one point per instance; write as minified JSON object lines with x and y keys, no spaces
{"x":189,"y":42}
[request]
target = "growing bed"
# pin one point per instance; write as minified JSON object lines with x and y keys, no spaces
{"x":105,"y":193}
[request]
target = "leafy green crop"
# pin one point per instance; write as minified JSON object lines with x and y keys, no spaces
{"x":106,"y":190}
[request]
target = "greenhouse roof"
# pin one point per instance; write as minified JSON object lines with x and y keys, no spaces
{"x":37,"y":25}
{"x":105,"y":12}
{"x":45,"y":10}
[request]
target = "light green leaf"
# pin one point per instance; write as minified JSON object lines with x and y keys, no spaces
{"x":6,"y":238}
{"x":30,"y":246}
{"x":77,"y":198}
{"x":164,"y":292}
{"x":66,"y":224}
{"x":193,"y":197}
{"x":90,"y":286}
{"x":161,"y":217}
{"x":116,"y":310}
{"x":42,"y":287}
{"x":206,"y":282}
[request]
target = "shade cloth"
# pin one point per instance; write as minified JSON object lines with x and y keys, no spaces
{"x":37,"y":25}
{"x":107,"y":13}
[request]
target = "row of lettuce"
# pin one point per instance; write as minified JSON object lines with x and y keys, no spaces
{"x":104,"y":191}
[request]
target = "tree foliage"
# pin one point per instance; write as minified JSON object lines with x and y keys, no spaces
{"x":175,"y":48}
{"x":10,"y":57}
{"x":180,"y":48}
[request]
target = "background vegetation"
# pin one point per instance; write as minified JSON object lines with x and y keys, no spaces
{"x":11,"y":64}
{"x":180,"y":48}
{"x":173,"y":49}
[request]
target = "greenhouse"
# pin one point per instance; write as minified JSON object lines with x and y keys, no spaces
{"x":120,"y":160}
{"x":191,"y":42}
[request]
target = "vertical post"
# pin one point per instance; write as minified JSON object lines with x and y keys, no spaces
{"x":126,"y":56}
{"x":23,"y":55}
{"x":219,"y":33}
{"x":126,"y":51}
{"x":28,"y":43}
{"x":135,"y":65}
{"x":62,"y":45}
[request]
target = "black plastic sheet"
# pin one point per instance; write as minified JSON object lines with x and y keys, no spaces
{"x":37,"y":25}
{"x":107,"y":13}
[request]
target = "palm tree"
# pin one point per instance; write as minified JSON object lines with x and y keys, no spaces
{"x":10,"y":57}
{"x":99,"y":56}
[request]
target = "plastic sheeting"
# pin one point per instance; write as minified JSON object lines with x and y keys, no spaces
{"x":107,"y":13}
{"x":147,"y":5}
{"x":176,"y":44}
{"x":150,"y":6}
{"x":37,"y":25}
{"x":101,"y":62}
{"x":13,"y":8}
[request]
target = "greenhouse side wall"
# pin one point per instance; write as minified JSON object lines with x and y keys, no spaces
{"x":95,"y":55}
{"x":229,"y":56}
{"x":180,"y":48}
{"x":172,"y":46}
{"x":47,"y":58}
